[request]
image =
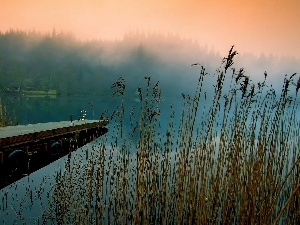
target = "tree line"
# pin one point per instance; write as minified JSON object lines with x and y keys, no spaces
{"x":58,"y":61}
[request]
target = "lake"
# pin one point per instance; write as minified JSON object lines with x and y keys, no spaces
{"x":28,"y":199}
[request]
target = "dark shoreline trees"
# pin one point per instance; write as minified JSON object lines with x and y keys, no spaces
{"x":59,"y":61}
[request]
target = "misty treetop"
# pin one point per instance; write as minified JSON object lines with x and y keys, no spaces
{"x":58,"y":61}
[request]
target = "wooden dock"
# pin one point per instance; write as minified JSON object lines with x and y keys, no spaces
{"x":22,"y":134}
{"x":27,"y":148}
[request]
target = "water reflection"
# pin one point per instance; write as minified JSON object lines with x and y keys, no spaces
{"x":28,"y":199}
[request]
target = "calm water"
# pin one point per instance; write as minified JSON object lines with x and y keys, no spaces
{"x":27,"y":199}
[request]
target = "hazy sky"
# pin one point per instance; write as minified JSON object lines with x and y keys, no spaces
{"x":268,"y":26}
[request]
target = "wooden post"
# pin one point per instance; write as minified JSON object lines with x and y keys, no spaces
{"x":1,"y":157}
{"x":28,"y":169}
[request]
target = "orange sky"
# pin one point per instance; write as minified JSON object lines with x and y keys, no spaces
{"x":257,"y":26}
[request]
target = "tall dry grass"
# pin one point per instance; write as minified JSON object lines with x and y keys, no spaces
{"x":235,"y":162}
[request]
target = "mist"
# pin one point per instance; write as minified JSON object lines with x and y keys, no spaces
{"x":72,"y":67}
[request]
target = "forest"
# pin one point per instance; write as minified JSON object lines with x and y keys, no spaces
{"x":30,"y":60}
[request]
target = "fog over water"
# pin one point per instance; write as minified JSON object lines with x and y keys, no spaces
{"x":59,"y":61}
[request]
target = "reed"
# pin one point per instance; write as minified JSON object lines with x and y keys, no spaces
{"x":230,"y":159}
{"x":7,"y":118}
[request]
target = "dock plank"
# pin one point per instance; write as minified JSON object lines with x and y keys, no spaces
{"x":33,"y":132}
{"x":10,"y":131}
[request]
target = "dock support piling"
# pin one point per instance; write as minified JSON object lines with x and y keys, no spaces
{"x":1,"y":158}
